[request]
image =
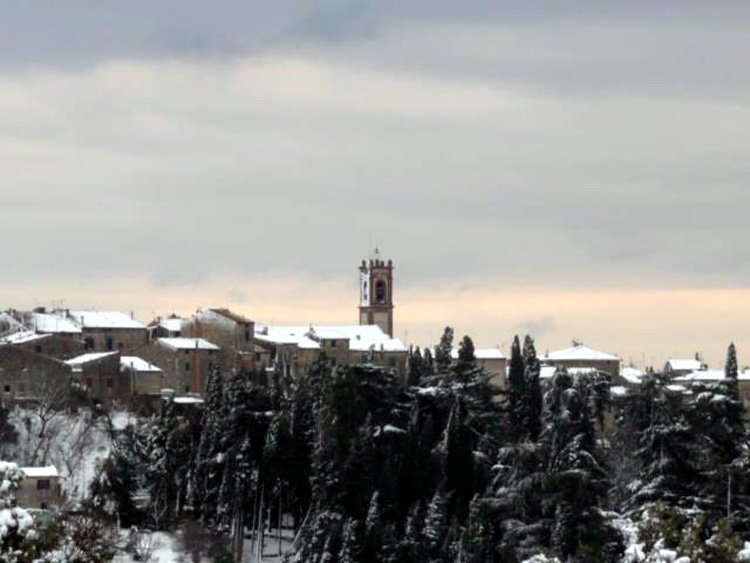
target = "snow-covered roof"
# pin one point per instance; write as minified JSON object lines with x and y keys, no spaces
{"x":631,"y":374}
{"x":135,"y":363}
{"x":188,"y":400}
{"x":183,"y":343}
{"x":705,"y":375}
{"x":231,"y":315}
{"x":86,"y":358}
{"x":47,"y":322}
{"x":677,"y":364}
{"x":579,"y":352}
{"x":49,"y":471}
{"x":361,"y":337}
{"x":22,"y":337}
{"x":105,"y":319}
{"x":483,"y":354}
{"x":170,"y":324}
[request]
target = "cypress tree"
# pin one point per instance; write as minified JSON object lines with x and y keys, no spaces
{"x":516,"y":392}
{"x":531,"y":415}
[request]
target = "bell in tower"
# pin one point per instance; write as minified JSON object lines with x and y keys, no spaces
{"x":376,"y":293}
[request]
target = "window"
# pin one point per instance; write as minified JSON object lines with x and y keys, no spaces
{"x":188,"y":366}
{"x":257,"y":356}
{"x":109,"y":383}
{"x":42,"y":485}
{"x":110,"y":343}
{"x":89,"y":383}
{"x":38,"y":348}
{"x":89,"y":343}
{"x":333,"y":343}
{"x":247,"y":336}
{"x":6,"y":388}
{"x":380,"y":291}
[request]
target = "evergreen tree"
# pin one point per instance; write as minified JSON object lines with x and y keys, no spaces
{"x":443,"y":351}
{"x":416,"y":367}
{"x":352,"y":548}
{"x":516,"y":392}
{"x":667,"y":446}
{"x":456,"y":460}
{"x":531,"y":410}
{"x":466,"y":365}
{"x":207,"y":472}
{"x":577,"y":478}
{"x":436,"y":526}
{"x":428,"y":363}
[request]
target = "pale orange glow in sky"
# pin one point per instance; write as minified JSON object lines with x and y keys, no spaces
{"x":645,"y":326}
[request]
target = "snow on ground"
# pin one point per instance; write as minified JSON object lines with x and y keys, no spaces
{"x":164,"y":550}
{"x":271,"y":548}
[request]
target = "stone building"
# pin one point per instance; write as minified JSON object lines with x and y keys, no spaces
{"x":233,"y":333}
{"x":100,"y":373}
{"x":186,"y":362}
{"x":225,"y":328}
{"x":580,"y":356}
{"x":293,"y":349}
{"x":144,"y":377}
{"x":53,"y":345}
{"x":167,"y":327}
{"x":27,"y":375}
{"x":43,"y":322}
{"x":106,"y":331}
{"x":40,"y":488}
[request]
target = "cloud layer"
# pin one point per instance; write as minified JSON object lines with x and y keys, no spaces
{"x":487,"y":147}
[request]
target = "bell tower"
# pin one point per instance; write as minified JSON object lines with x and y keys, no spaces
{"x":376,"y":293}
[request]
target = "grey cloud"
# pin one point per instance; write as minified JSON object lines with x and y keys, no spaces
{"x":493,"y":140}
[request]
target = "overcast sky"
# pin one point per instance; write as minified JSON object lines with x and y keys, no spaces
{"x":168,"y":154}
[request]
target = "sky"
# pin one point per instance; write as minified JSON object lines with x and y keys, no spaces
{"x":572,"y":170}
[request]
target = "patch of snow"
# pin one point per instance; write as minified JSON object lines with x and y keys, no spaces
{"x":49,"y":471}
{"x":134,"y":363}
{"x":181,"y":343}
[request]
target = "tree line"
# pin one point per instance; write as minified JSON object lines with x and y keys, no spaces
{"x":445,"y":468}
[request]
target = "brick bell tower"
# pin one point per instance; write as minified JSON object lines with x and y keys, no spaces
{"x":376,"y":293}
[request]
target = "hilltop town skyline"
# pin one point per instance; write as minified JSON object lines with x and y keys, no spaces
{"x":610,"y":320}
